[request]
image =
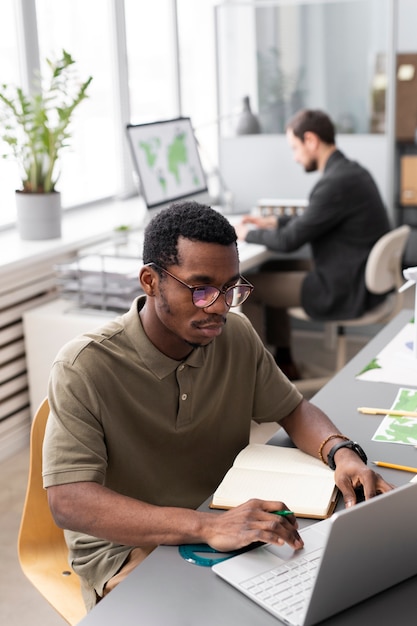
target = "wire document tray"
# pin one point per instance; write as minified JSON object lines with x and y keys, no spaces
{"x":100,"y":281}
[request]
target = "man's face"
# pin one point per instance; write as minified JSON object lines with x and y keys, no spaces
{"x":176,"y":323}
{"x":304,"y":152}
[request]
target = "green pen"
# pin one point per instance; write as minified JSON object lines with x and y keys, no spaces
{"x":283,"y":512}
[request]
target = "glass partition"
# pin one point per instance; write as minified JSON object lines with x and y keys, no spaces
{"x":285,"y":56}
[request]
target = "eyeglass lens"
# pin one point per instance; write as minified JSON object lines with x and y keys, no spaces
{"x":205,"y":295}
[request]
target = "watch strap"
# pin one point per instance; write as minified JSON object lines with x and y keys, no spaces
{"x":323,"y":443}
{"x":352,"y":445}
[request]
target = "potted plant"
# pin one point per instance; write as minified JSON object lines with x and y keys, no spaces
{"x":34,"y":130}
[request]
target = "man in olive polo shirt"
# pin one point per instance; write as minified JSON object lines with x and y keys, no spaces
{"x":149,"y":412}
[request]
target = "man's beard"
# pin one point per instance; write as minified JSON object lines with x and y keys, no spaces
{"x":311,"y":166}
{"x":201,"y":345}
{"x":194,"y":345}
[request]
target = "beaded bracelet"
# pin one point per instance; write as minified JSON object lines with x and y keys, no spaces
{"x":323,"y":443}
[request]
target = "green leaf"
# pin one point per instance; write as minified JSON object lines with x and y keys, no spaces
{"x":36,"y":127}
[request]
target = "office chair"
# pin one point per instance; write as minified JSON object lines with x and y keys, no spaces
{"x":43,"y":553}
{"x":383,"y":272}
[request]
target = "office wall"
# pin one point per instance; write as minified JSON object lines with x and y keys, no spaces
{"x":261,"y":166}
{"x":407,"y":25}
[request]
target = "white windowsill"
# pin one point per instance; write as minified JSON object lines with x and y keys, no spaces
{"x":80,"y":228}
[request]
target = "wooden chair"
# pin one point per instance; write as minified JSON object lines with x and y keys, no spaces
{"x":383,"y":273}
{"x":43,"y":553}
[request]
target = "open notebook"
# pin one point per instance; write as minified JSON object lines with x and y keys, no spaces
{"x":289,"y":475}
{"x":346,"y":558}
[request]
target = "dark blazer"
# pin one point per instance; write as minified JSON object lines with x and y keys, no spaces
{"x":344,"y":218}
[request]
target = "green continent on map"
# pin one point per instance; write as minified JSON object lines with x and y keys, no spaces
{"x":150,"y":149}
{"x":162,"y":181}
{"x":196,"y":179}
{"x":177,"y":155}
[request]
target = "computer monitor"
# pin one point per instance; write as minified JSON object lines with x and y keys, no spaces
{"x":167,"y":162}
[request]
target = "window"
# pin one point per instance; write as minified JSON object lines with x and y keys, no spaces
{"x":9,"y":72}
{"x":198,"y":78}
{"x":157,"y":90}
{"x":150,"y":40}
{"x":89,"y":165}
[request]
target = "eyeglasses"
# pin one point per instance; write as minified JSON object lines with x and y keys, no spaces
{"x":206,"y":295}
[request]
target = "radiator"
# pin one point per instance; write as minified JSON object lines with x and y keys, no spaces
{"x":23,"y":289}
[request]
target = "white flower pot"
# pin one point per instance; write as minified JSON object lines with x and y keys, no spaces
{"x":38,"y":215}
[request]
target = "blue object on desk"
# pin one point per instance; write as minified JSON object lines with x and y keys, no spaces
{"x":194,"y":553}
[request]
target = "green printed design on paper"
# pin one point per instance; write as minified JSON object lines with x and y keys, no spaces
{"x":395,"y":429}
{"x":372,"y":365}
{"x":407,"y":401}
{"x":400,"y":430}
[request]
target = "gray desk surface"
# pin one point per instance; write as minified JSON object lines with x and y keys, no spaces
{"x":165,"y":589}
{"x":251,"y":255}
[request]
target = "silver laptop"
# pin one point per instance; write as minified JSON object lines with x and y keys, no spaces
{"x":347,"y":558}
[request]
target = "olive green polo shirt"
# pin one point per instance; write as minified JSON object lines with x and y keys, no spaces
{"x":128,"y":417}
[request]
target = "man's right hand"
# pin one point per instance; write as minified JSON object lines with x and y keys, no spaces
{"x":250,"y":522}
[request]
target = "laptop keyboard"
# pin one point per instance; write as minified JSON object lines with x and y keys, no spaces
{"x":284,"y":590}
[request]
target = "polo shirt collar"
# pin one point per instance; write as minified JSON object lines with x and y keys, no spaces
{"x":157,"y":362}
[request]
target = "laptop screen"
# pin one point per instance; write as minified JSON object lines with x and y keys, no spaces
{"x":166,"y":159}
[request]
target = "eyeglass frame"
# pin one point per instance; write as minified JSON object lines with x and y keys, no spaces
{"x":193,"y":288}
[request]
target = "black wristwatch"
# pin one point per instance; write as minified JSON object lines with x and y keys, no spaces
{"x":352,"y":445}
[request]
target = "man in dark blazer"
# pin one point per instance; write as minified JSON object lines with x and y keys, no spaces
{"x":344,"y":218}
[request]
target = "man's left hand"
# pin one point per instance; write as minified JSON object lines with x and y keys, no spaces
{"x":351,"y":473}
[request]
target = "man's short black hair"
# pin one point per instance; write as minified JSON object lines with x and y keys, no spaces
{"x":191,"y":220}
{"x":314,"y":121}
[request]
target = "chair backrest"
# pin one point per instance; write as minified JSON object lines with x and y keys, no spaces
{"x":384,"y":266}
{"x":43,"y":553}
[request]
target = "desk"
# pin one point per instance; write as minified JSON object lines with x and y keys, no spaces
{"x":165,"y":589}
{"x":251,"y":255}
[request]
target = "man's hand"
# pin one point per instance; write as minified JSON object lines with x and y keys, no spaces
{"x":243,"y":228}
{"x":241,"y":231}
{"x":351,"y":474}
{"x":260,"y":221}
{"x":310,"y":430}
{"x":252,"y":521}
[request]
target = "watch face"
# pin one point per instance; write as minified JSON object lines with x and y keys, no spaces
{"x":357,"y":448}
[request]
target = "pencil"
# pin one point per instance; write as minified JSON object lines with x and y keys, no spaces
{"x":404,"y":468}
{"x":372,"y":411}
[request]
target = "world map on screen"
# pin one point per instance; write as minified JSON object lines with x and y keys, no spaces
{"x":168,"y":161}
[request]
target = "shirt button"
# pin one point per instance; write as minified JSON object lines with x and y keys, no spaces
{"x":181,"y":367}
{"x":184,"y":396}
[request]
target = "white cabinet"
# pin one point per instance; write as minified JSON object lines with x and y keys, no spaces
{"x":46,"y":329}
